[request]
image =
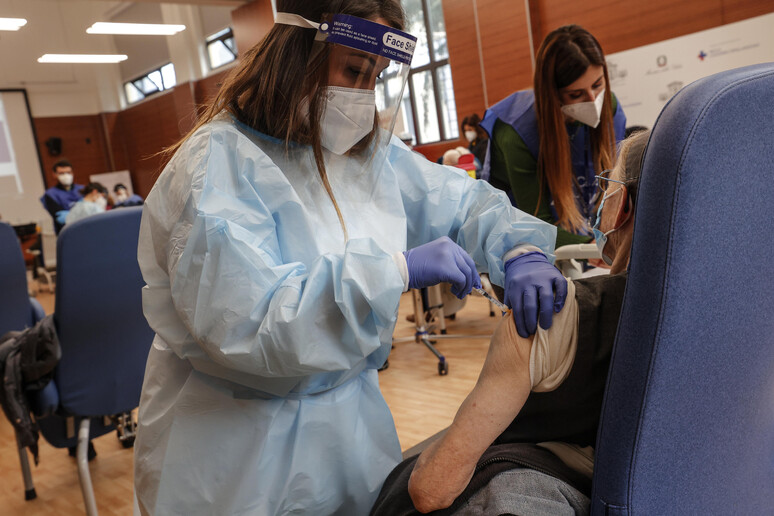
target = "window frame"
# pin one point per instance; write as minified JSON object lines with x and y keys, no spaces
{"x":432,"y":66}
{"x":221,"y":36}
{"x":138,"y":80}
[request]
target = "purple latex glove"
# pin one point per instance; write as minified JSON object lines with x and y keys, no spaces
{"x":534,"y":289}
{"x":442,"y":261}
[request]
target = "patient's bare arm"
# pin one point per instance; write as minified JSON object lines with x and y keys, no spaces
{"x":444,"y":469}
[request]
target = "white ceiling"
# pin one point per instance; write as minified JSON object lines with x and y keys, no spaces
{"x":59,"y":26}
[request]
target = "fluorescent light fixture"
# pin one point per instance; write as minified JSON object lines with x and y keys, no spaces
{"x":141,"y":29}
{"x":12,"y":23}
{"x":81,"y":58}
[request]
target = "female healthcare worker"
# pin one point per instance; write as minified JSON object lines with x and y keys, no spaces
{"x":549,"y":143}
{"x":272,"y":246}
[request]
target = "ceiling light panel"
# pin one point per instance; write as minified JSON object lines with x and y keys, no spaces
{"x":82,"y":58}
{"x":140,"y":29}
{"x":12,"y":23}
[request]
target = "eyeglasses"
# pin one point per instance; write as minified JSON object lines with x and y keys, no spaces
{"x":603,"y":181}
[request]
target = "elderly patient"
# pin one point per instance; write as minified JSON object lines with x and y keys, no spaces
{"x":538,"y":399}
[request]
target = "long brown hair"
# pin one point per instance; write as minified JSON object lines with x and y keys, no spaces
{"x":565,"y":55}
{"x":279,"y":77}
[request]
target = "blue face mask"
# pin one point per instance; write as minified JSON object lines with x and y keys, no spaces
{"x":601,"y":238}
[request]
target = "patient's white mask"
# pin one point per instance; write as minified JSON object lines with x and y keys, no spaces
{"x":348,"y":117}
{"x":101,"y":202}
{"x":588,"y":113}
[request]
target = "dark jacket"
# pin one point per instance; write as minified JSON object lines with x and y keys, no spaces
{"x":27,"y":362}
{"x":569,"y":414}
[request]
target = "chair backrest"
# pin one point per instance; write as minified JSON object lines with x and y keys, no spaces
{"x":15,"y":309}
{"x":102,"y":331}
{"x":688,"y":418}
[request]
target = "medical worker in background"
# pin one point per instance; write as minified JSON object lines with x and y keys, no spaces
{"x":63,"y":195}
{"x":122,"y":199}
{"x":477,"y":139}
{"x":549,"y":143}
{"x":276,"y":245}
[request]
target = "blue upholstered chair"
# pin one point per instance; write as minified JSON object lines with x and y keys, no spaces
{"x":688,"y":418}
{"x":102,"y":332}
{"x":17,"y":309}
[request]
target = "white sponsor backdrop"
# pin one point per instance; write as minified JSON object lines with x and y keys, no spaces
{"x":110,"y":179}
{"x":645,"y":78}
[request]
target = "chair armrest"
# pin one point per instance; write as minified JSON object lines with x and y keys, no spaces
{"x":567,"y":255}
{"x":577,"y":252}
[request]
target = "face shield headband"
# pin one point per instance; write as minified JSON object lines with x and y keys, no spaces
{"x":365,"y":60}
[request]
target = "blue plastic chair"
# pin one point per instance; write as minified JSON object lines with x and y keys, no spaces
{"x":688,"y":418}
{"x":102,"y":332}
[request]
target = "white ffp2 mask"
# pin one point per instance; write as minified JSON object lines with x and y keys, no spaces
{"x":588,"y":113}
{"x":347,"y":119}
{"x":470,"y":135}
{"x":65,"y":179}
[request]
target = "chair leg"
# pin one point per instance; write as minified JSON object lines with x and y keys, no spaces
{"x":83,"y":468}
{"x":29,"y":487}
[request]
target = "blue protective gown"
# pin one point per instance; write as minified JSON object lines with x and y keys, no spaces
{"x":57,"y":199}
{"x":133,"y":200}
{"x":518,"y":111}
{"x":261,"y":394}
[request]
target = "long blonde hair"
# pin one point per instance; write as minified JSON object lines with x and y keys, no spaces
{"x":276,"y":77}
{"x":565,"y":55}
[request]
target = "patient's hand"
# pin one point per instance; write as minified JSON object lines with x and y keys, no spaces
{"x":445,"y":468}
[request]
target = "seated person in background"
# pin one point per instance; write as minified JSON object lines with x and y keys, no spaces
{"x":632,"y":129}
{"x":61,"y":197}
{"x":94,"y":201}
{"x":460,"y":157}
{"x":537,"y":403}
{"x":123,"y":199}
{"x":476,"y":137}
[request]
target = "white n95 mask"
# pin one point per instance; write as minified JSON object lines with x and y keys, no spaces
{"x":470,"y":135}
{"x":348,"y":117}
{"x":65,"y":179}
{"x":588,"y":113}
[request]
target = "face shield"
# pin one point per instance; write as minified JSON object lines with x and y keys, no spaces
{"x":367,"y":68}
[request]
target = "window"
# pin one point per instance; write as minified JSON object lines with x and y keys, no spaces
{"x":428,"y":111}
{"x":153,"y":82}
{"x":221,"y":48}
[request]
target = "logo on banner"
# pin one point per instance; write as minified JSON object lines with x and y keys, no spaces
{"x":672,"y":89}
{"x":615,"y":72}
{"x":702,"y":55}
{"x":661,"y":61}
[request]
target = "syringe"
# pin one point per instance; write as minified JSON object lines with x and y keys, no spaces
{"x":491,"y":299}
